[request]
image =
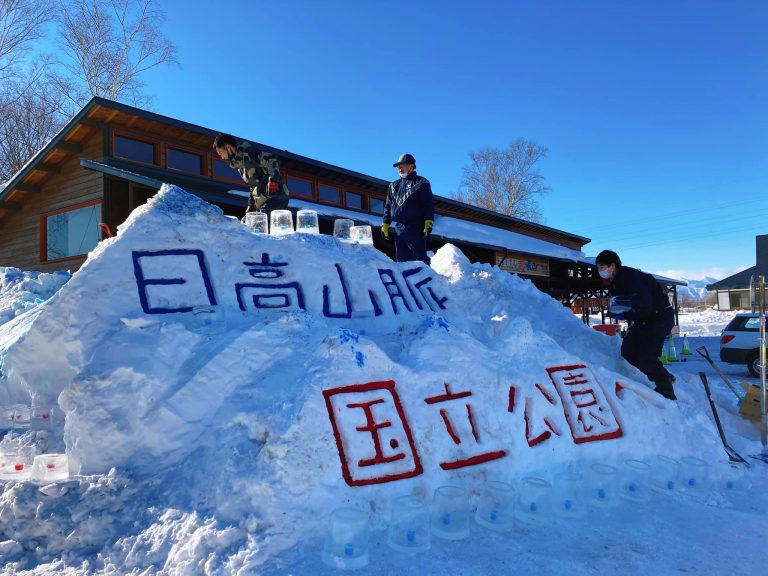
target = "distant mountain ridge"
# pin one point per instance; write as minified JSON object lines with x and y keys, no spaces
{"x":696,"y":289}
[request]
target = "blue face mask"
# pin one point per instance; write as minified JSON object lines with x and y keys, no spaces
{"x":605,"y":273}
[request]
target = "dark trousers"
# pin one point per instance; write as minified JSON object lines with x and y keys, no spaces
{"x":644,"y":342}
{"x":411,"y":244}
{"x":273,"y":204}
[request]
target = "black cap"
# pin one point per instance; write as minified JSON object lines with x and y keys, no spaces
{"x":404,"y":159}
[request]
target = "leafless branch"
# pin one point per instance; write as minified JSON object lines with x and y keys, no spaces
{"x":505,"y":180}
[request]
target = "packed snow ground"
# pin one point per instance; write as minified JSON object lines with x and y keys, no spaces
{"x":200,"y":370}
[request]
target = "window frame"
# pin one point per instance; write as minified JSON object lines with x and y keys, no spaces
{"x":215,"y":158}
{"x":188,"y":150}
{"x":138,"y":137}
{"x":329,"y":185}
{"x":370,"y":207}
{"x":363,"y":199}
{"x":44,"y":230}
{"x":307,"y":179}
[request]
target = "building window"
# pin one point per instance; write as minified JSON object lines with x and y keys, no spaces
{"x":354,"y":200}
{"x":329,"y":193}
{"x":185,"y":161}
{"x":299,"y":186}
{"x":222,"y":169}
{"x":377,"y":205}
{"x":72,"y":232}
{"x":135,"y":150}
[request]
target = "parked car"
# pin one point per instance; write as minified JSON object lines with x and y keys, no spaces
{"x":740,"y":342}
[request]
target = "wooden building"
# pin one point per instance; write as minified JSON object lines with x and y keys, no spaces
{"x":110,"y":158}
{"x":733,"y":292}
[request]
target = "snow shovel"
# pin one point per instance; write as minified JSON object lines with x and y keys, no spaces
{"x":706,"y":356}
{"x":733,"y":456}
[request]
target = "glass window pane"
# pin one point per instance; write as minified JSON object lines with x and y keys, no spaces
{"x":377,"y":206}
{"x":299,"y":187}
{"x":354,"y":200}
{"x":72,"y":233}
{"x":752,"y":324}
{"x":329,"y":193}
{"x":184,"y":161}
{"x":222,"y":169}
{"x":134,"y":150}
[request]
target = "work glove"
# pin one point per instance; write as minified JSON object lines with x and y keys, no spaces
{"x":272,"y":187}
{"x":385,"y":230}
{"x":428,"y":227}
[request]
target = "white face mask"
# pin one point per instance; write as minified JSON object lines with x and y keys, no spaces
{"x":605,"y":273}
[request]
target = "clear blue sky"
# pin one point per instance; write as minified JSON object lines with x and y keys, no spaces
{"x":655,"y":113}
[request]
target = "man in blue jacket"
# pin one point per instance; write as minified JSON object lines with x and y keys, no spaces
{"x":647,"y":308}
{"x":411,"y":206}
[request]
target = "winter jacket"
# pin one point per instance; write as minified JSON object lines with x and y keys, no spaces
{"x":648,"y":298}
{"x":409,"y":201}
{"x":257,"y":168}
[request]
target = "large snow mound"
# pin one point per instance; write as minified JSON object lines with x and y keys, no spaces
{"x":263,"y":381}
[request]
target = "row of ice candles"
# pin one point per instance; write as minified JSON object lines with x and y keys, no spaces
{"x":20,"y":463}
{"x":23,"y":416}
{"x":499,"y":505}
{"x":306,"y":222}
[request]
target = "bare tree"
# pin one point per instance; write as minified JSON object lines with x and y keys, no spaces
{"x":109,"y":44}
{"x":31,"y":115}
{"x":505,"y":180}
{"x":21,"y":23}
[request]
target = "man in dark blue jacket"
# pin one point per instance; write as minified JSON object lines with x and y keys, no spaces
{"x":411,"y":206}
{"x":647,"y":308}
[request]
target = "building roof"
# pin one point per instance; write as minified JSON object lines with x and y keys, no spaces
{"x":738,"y":281}
{"x":98,"y":112}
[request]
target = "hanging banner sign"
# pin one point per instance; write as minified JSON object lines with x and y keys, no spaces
{"x":520,"y":264}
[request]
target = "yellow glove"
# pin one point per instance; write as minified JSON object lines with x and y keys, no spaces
{"x":428,"y":226}
{"x":385,"y":230}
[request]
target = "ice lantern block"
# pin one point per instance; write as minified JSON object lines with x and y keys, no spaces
{"x":50,"y":467}
{"x":282,"y":222}
{"x":361,"y":234}
{"x":306,"y":221}
{"x":256,"y":222}
{"x":342,"y":227}
{"x":346,"y":540}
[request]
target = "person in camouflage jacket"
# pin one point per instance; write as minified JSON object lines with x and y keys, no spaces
{"x":260,"y":171}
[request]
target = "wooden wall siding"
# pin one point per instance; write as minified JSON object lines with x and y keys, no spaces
{"x":20,"y":233}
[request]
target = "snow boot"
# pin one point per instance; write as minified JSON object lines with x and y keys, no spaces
{"x":665,"y":388}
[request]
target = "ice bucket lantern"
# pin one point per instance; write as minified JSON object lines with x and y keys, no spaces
{"x":450,"y":513}
{"x":342,"y":227}
{"x":256,"y":222}
{"x":635,"y":481}
{"x":568,"y":497}
{"x":306,"y":221}
{"x":361,"y":234}
{"x":533,"y":499}
{"x":602,"y":485}
{"x":50,"y":467}
{"x":16,"y":464}
{"x":282,"y":222}
{"x":495,"y":506}
{"x":409,"y":526}
{"x":346,"y":540}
